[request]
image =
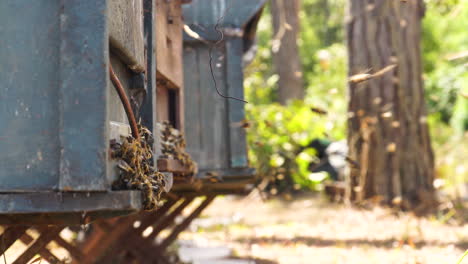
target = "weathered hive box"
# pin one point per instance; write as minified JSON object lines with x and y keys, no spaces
{"x":59,"y":109}
{"x":169,"y":70}
{"x":215,"y":125}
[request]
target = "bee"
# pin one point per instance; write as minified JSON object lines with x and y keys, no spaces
{"x":318,"y":110}
{"x":354,"y":164}
{"x":268,"y":123}
{"x":124,"y":166}
{"x":173,"y":145}
{"x":245,"y":124}
{"x":135,"y":163}
{"x":259,"y":144}
{"x":362,"y":77}
{"x":213,"y":177}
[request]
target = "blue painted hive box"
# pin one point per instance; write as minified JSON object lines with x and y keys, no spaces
{"x":59,"y":110}
{"x":215,"y":126}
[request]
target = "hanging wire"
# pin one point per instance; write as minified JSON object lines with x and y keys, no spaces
{"x":221,"y":34}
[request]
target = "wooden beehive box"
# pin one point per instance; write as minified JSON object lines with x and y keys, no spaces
{"x":59,"y":109}
{"x":214,"y":125}
{"x":169,"y":62}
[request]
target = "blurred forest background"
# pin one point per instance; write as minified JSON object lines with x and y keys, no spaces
{"x":280,"y":133}
{"x":316,"y":99}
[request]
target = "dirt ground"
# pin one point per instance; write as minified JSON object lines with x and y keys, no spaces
{"x":312,"y":230}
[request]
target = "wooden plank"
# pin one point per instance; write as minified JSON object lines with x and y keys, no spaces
{"x":227,"y":174}
{"x":169,"y":41}
{"x":239,"y":187}
{"x":45,"y":253}
{"x":213,"y":110}
{"x":73,"y":250}
{"x":182,"y":226}
{"x":162,"y":103}
{"x":131,"y":240}
{"x":100,"y":244}
{"x":172,"y":165}
{"x":168,"y":219}
{"x":208,"y":12}
{"x":83,"y":75}
{"x":148,"y":113}
{"x":192,"y":100}
{"x":44,"y":239}
{"x":235,"y":83}
{"x":116,"y":109}
{"x":29,"y":55}
{"x":149,"y":218}
{"x":9,"y":236}
{"x":65,"y":206}
{"x":125,"y":22}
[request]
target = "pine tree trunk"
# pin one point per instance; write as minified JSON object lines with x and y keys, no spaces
{"x":387,"y":128}
{"x":285,"y":14}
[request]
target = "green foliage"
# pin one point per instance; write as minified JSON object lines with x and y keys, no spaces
{"x":278,"y":137}
{"x":444,"y":36}
{"x":279,"y":133}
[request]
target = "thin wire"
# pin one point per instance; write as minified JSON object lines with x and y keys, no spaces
{"x":220,"y":32}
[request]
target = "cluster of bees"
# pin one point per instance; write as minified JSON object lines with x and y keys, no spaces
{"x":173,"y":147}
{"x":136,"y":166}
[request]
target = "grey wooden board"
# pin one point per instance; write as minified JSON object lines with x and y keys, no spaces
{"x":56,"y":105}
{"x":149,"y":106}
{"x":68,"y":201}
{"x":126,"y":31}
{"x":54,"y":101}
{"x":69,"y":208}
{"x":116,"y":109}
{"x":192,"y":100}
{"x":235,"y":83}
{"x":29,"y":116}
{"x":83,"y":102}
{"x":205,"y":111}
{"x":208,"y":12}
{"x":213,"y":115}
{"x":215,"y":137}
{"x":227,"y":173}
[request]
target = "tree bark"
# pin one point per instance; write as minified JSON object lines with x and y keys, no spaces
{"x":387,"y":127}
{"x":285,"y":16}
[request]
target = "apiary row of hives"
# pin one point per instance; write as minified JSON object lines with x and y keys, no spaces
{"x":108,"y":105}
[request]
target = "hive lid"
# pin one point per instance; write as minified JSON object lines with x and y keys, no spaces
{"x":237,"y":13}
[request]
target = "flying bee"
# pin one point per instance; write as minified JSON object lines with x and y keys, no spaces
{"x":259,"y":144}
{"x":362,"y":77}
{"x":213,"y":177}
{"x":354,"y":164}
{"x":268,"y":123}
{"x":244,"y":123}
{"x":319,"y":111}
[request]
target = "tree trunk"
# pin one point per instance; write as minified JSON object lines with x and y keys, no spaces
{"x":387,"y":128}
{"x":285,"y":14}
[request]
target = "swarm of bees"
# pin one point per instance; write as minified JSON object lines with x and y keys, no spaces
{"x":137,"y":171}
{"x":173,"y":146}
